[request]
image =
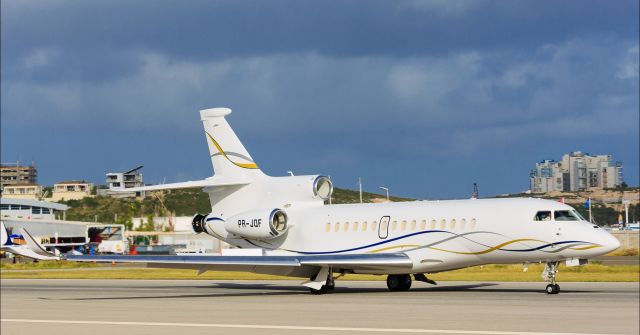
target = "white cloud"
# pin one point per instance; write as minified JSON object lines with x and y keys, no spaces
{"x":629,"y":68}
{"x":39,"y":58}
{"x":444,"y":7}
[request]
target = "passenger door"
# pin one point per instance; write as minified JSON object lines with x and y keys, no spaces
{"x":383,"y":227}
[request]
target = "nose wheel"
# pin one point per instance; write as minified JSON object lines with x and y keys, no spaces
{"x":553,"y":289}
{"x":549,"y":274}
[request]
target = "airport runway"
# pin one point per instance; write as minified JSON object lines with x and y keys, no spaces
{"x":283,"y":307}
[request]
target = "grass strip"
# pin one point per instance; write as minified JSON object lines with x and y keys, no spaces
{"x":511,"y":273}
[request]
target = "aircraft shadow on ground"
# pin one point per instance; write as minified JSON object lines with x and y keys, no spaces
{"x":267,"y":289}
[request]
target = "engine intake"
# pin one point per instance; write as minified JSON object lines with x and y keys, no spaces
{"x":258,"y":224}
{"x":198,"y":223}
{"x":322,"y":187}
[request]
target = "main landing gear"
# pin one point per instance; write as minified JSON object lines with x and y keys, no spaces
{"x":549,"y":274}
{"x":399,"y":282}
{"x":403,"y":282}
{"x":323,"y":282}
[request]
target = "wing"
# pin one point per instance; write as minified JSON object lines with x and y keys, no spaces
{"x":279,"y":265}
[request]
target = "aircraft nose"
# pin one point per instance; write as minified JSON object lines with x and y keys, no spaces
{"x":611,"y":243}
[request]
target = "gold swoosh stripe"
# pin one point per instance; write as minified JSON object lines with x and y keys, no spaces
{"x":504,"y":244}
{"x":242,"y":165}
{"x":395,"y":247}
{"x":586,"y":248}
{"x":487,"y":250}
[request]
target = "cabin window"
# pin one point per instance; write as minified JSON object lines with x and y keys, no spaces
{"x":328,"y":228}
{"x":473,"y":224}
{"x":433,"y":224}
{"x":364,"y":226}
{"x":374,"y":225}
{"x":413,"y":225}
{"x":543,"y":216}
{"x":564,"y":216}
{"x":453,"y":224}
{"x":394,"y":226}
{"x":355,"y":226}
{"x":423,"y":225}
{"x":404,"y":225}
{"x":463,"y":224}
{"x":443,"y":224}
{"x":346,"y":226}
{"x":337,"y":227}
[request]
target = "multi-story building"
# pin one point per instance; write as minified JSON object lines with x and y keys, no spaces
{"x":123,"y":180}
{"x":117,"y":182}
{"x":26,"y":191}
{"x":576,"y":171}
{"x":71,"y":190}
{"x":16,"y":174}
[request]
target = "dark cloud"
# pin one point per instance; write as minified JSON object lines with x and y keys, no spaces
{"x":449,"y":92}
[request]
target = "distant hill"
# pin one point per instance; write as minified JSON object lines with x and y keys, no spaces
{"x":184,"y":202}
{"x":187,"y":202}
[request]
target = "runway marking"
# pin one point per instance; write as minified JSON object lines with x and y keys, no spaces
{"x":283,"y":327}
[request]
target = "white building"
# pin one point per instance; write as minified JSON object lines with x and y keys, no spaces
{"x":120,"y":181}
{"x":30,"y":209}
{"x":576,"y":171}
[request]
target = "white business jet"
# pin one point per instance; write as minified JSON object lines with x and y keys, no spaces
{"x":282,"y":226}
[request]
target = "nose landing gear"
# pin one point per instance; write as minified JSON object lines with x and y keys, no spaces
{"x":549,"y":274}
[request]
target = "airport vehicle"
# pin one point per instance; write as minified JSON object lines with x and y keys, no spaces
{"x":282,"y":226}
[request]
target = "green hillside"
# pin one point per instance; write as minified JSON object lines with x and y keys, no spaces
{"x":185,"y":202}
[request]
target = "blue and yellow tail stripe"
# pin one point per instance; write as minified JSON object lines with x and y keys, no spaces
{"x":242,"y":165}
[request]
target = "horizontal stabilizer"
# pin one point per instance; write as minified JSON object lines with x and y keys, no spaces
{"x":209,"y":182}
{"x":34,"y":246}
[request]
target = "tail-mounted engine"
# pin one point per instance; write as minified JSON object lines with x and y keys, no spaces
{"x":258,"y":224}
{"x":198,"y":223}
{"x":322,"y":187}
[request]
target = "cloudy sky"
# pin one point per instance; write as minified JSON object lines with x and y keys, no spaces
{"x":424,"y":97}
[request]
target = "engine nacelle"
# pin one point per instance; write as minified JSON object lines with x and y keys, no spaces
{"x":322,"y":187}
{"x":258,"y":224}
{"x":198,"y":223}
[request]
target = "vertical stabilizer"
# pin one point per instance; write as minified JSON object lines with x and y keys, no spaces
{"x":228,"y":156}
{"x":4,"y":235}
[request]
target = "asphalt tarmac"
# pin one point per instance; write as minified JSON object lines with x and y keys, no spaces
{"x":159,"y":307}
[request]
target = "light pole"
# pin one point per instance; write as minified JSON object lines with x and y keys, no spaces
{"x":386,"y":190}
{"x":626,"y":212}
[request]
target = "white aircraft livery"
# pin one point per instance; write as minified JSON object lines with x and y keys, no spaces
{"x":283,"y":226}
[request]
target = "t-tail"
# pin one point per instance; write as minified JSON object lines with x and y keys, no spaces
{"x":228,"y":156}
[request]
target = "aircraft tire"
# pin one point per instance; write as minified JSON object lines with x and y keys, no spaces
{"x":405,"y":282}
{"x":553,"y":289}
{"x":398,"y":282}
{"x":322,"y":290}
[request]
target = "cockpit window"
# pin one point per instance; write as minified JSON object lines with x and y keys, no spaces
{"x":543,"y":216}
{"x":565,"y":216}
{"x":576,"y":213}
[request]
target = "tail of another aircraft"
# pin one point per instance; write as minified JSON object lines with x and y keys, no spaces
{"x":228,"y":156}
{"x":4,"y":235}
